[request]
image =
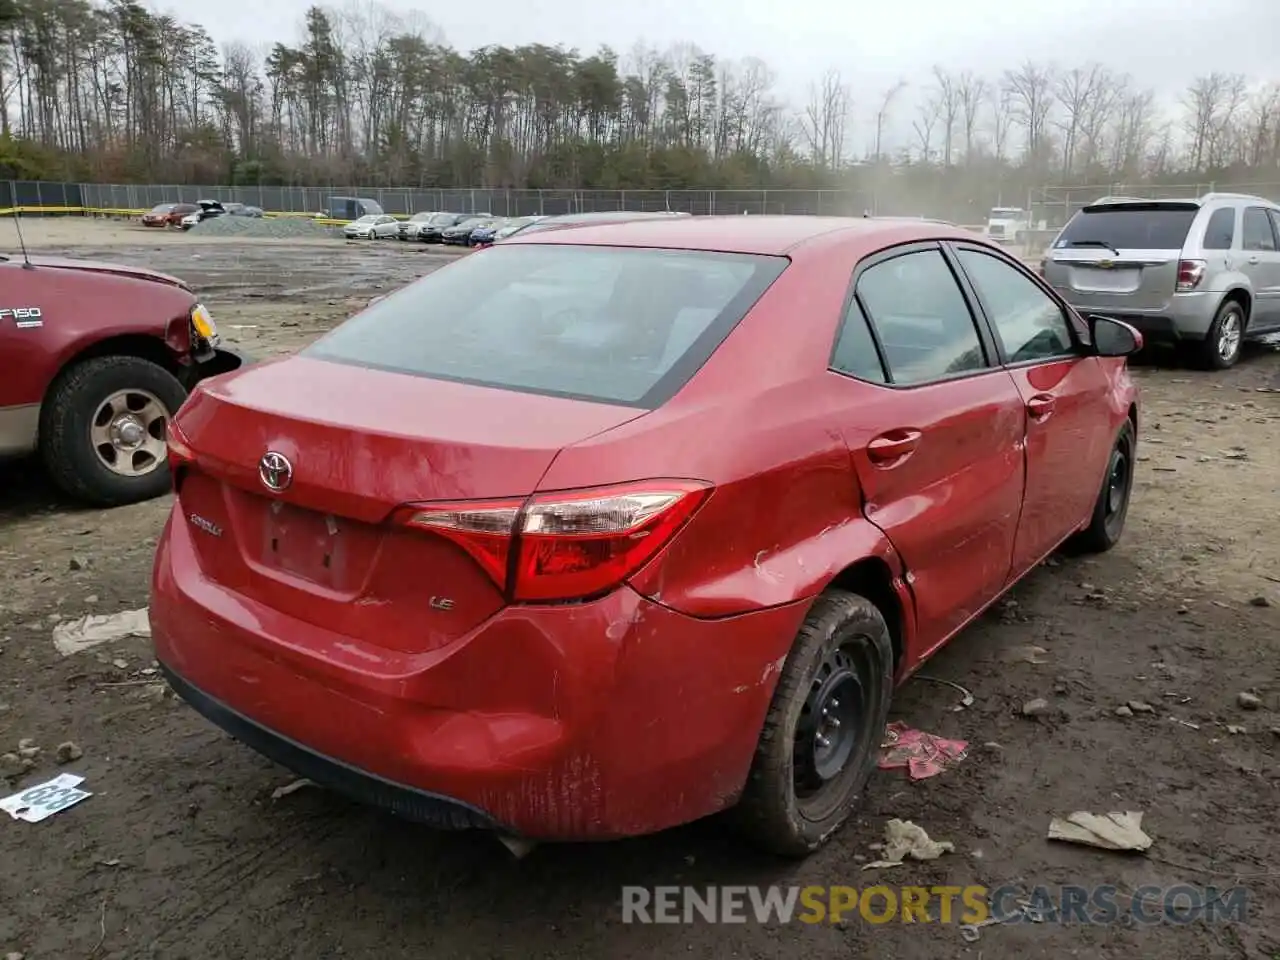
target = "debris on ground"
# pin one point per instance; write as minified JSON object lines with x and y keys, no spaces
{"x":1123,"y":711}
{"x":1139,"y":706}
{"x":282,"y":228}
{"x":1112,"y":831}
{"x":1235,"y":729}
{"x":1248,"y":701}
{"x":27,"y":749}
{"x":1035,"y":708}
{"x":1027,"y":653}
{"x":88,"y":631}
{"x":1259,"y":602}
{"x":281,"y":792}
{"x":966,"y":698}
{"x":904,"y":839}
{"x":68,"y":752}
{"x":43,"y":800}
{"x":923,"y":754}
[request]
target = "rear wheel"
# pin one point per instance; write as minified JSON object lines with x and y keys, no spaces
{"x":824,"y":727}
{"x":1221,"y":346}
{"x":1112,"y":506}
{"x":103,"y":430}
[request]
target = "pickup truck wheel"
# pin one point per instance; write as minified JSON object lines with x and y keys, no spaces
{"x":824,"y":727}
{"x":1220,"y":348}
{"x":103,"y":427}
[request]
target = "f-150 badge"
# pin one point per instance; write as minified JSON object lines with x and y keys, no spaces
{"x":24,"y":318}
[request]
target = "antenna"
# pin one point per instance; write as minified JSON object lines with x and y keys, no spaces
{"x":26,"y":260}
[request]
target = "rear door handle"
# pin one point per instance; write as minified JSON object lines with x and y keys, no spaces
{"x":893,"y":446}
{"x":1040,"y":406}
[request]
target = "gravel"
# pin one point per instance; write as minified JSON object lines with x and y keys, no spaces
{"x":280,"y":227}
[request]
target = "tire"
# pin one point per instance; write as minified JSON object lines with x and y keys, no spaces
{"x":843,"y":633}
{"x":1219,"y":350}
{"x":1106,"y":525}
{"x":67,"y":424}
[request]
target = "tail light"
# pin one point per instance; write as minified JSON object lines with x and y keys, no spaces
{"x":1190,"y":273}
{"x":179,"y":453}
{"x":568,"y":545}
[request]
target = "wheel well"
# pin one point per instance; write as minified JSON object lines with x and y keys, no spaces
{"x":1246,"y":302}
{"x":129,"y":345}
{"x":1133,"y":417}
{"x":872,"y":578}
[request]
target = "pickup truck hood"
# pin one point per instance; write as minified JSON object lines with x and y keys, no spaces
{"x":116,"y":269}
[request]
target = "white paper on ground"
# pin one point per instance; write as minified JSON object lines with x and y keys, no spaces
{"x":43,"y":800}
{"x":73,"y":636}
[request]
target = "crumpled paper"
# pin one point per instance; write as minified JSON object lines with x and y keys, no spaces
{"x":923,"y":754}
{"x":1111,"y":831}
{"x":903,"y":839}
{"x":73,"y":636}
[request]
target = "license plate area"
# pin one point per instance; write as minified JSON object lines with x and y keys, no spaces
{"x":1104,"y":280}
{"x":328,"y":551}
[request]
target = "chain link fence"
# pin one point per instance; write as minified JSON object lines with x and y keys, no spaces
{"x":500,"y":202}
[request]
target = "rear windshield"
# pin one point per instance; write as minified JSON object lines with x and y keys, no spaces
{"x":1136,"y":227}
{"x":616,"y":325}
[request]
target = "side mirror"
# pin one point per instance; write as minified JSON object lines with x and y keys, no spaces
{"x":1112,"y":338}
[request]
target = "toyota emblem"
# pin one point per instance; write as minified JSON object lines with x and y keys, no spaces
{"x":275,"y":471}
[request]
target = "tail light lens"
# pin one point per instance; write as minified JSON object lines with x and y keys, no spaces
{"x":1190,"y":273}
{"x":179,"y":453}
{"x":564,"y":546}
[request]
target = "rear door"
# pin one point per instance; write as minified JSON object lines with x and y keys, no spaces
{"x":1261,"y":265}
{"x":1065,"y":392}
{"x":1118,"y":258}
{"x":938,"y":451}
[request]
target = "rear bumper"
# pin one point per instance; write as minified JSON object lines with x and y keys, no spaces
{"x":1186,"y":316}
{"x":599,"y":720}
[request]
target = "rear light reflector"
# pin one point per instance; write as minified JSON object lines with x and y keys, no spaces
{"x":1190,"y":273}
{"x":564,"y":546}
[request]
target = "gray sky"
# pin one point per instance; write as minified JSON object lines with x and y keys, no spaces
{"x":1162,"y":43}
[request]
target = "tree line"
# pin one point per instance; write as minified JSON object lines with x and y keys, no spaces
{"x":111,"y":92}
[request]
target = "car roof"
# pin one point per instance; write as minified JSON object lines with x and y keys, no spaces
{"x":738,"y":234}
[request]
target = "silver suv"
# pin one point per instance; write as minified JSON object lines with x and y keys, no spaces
{"x":1202,"y":273}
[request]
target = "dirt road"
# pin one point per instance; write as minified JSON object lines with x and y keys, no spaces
{"x":183,"y":853}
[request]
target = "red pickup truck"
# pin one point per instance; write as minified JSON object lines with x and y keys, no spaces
{"x":94,"y":360}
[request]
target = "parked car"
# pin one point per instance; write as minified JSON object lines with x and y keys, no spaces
{"x":471,"y":550}
{"x":433,"y":230}
{"x":206,"y":210}
{"x":350,"y":208}
{"x":408,"y":229}
{"x":484,"y":234}
{"x":1203,"y":274}
{"x":375,"y":226}
{"x":460,"y":233}
{"x":242,"y":210}
{"x":168,"y":214}
{"x":95,"y":358}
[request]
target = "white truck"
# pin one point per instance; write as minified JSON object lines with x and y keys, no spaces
{"x":1008,"y":224}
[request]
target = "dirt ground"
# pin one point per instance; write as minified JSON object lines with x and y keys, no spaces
{"x":183,"y":853}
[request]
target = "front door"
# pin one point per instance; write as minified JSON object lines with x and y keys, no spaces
{"x":1261,"y":265}
{"x":941,"y":464}
{"x":1063,"y":389}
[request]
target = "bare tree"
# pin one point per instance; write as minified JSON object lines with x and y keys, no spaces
{"x":1030,"y":90}
{"x":825,"y":118}
{"x":1133,"y":130}
{"x":882,"y":114}
{"x":972,"y":91}
{"x":1001,"y":101}
{"x":1079,"y":90}
{"x":949,"y":110}
{"x":1204,"y":102}
{"x":928,"y":114}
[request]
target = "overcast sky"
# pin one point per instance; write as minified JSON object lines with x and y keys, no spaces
{"x":1162,"y":43}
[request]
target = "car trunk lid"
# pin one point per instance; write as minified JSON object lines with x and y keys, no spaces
{"x":360,"y":443}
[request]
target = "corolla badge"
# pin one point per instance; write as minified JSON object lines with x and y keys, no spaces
{"x":275,"y":471}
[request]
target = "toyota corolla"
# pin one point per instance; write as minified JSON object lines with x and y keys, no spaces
{"x":604,"y":530}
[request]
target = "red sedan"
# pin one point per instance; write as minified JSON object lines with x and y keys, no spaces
{"x":608,"y":529}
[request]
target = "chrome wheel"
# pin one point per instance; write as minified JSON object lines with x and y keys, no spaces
{"x":128,"y":433}
{"x":1229,"y":335}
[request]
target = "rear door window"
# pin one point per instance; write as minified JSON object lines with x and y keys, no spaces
{"x":1257,"y":233}
{"x":612,"y":324}
{"x":1129,"y":227}
{"x":1220,"y":232}
{"x":922,"y":319}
